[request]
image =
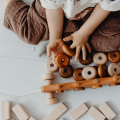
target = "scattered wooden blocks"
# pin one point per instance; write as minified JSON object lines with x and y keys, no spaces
{"x":79,"y":111}
{"x":96,"y":114}
{"x":106,"y":110}
{"x":6,"y":109}
{"x":31,"y":118}
{"x":57,"y":112}
{"x":20,"y":112}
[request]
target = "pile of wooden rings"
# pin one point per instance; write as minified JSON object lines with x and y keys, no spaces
{"x":89,"y":72}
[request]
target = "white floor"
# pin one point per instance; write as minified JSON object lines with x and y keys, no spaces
{"x":21,"y":70}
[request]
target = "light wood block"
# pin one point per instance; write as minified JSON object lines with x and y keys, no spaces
{"x":57,"y":112}
{"x":6,"y":109}
{"x":48,"y":76}
{"x":20,"y":112}
{"x":79,"y":111}
{"x":106,"y":110}
{"x":31,"y":118}
{"x":96,"y":114}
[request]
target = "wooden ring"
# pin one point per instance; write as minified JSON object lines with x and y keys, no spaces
{"x":62,"y":60}
{"x":48,"y":76}
{"x":102,"y":71}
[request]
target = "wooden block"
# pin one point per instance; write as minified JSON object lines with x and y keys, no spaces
{"x":31,"y":118}
{"x":57,"y":112}
{"x":96,"y":114}
{"x":20,"y":112}
{"x":6,"y":109}
{"x":106,"y":110}
{"x":79,"y":111}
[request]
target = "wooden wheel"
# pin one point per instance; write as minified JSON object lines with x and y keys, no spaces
{"x":51,"y":101}
{"x":48,"y":76}
{"x":102,"y":71}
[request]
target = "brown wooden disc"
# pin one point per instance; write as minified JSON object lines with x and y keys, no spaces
{"x":114,"y":56}
{"x":89,"y":59}
{"x":77,"y":74}
{"x":79,"y":89}
{"x":66,"y":72}
{"x":62,"y":60}
{"x":96,"y":86}
{"x":102,"y":71}
{"x":68,"y":51}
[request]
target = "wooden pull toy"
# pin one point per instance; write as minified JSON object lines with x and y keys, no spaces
{"x":50,"y":95}
{"x":114,"y":56}
{"x":66,"y":72}
{"x":85,"y":83}
{"x":100,"y":58}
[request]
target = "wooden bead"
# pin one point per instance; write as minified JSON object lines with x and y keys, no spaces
{"x":89,"y":72}
{"x":100,"y":58}
{"x":66,"y":72}
{"x":68,"y":51}
{"x":51,"y":101}
{"x":77,"y":74}
{"x":102,"y":71}
{"x":114,"y":56}
{"x":48,"y":82}
{"x":79,"y":89}
{"x":62,"y":60}
{"x":89,"y":59}
{"x":48,"y":76}
{"x":113,"y":69}
{"x":50,"y":95}
{"x":50,"y":66}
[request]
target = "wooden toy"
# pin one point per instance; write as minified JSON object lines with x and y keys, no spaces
{"x":31,"y":118}
{"x":62,"y":60}
{"x":66,"y":72}
{"x":114,"y":56}
{"x":96,"y":114}
{"x":85,"y":83}
{"x":56,"y":113}
{"x":79,"y":111}
{"x":106,"y":110}
{"x":100,"y":58}
{"x":62,"y":119}
{"x":50,"y":66}
{"x":68,"y":51}
{"x":89,"y":59}
{"x":102,"y":71}
{"x":6,"y":109}
{"x":113,"y":69}
{"x":20,"y":112}
{"x":50,"y":95}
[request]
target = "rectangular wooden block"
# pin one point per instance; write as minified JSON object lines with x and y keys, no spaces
{"x":96,"y":114}
{"x":79,"y":111}
{"x":31,"y":118}
{"x":6,"y":109}
{"x":106,"y":110}
{"x":56,"y":113}
{"x":20,"y":112}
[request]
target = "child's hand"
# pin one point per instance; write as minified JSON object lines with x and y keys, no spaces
{"x":80,"y":42}
{"x":56,"y":47}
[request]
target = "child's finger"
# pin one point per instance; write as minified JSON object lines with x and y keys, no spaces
{"x":48,"y":51}
{"x":77,"y":53}
{"x":88,"y":47}
{"x":73,"y":46}
{"x":84,"y":52}
{"x":68,"y":38}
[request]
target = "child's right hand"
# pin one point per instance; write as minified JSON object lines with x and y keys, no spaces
{"x":56,"y":47}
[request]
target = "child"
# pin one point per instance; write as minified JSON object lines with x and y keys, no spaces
{"x":73,"y":10}
{"x":30,"y":24}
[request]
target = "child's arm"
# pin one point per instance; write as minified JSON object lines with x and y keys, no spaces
{"x":55,"y":23}
{"x":80,"y":37}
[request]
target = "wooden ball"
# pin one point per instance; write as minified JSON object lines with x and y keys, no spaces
{"x":51,"y":101}
{"x":50,"y":95}
{"x":102,"y":71}
{"x":68,"y":51}
{"x":77,"y":74}
{"x":50,"y":66}
{"x":66,"y":72}
{"x":100,"y":58}
{"x":89,"y":72}
{"x":113,"y":69}
{"x":62,"y":60}
{"x":114,"y":56}
{"x":89,"y":59}
{"x":79,"y":89}
{"x":48,"y":76}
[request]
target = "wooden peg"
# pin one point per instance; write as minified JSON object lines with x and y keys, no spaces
{"x":115,"y":78}
{"x":51,"y":101}
{"x":59,"y":91}
{"x":58,"y":86}
{"x":48,"y":76}
{"x":96,"y":81}
{"x":77,"y":83}
{"x":78,"y":89}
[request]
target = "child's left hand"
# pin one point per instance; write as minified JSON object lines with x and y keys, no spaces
{"x":80,"y":42}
